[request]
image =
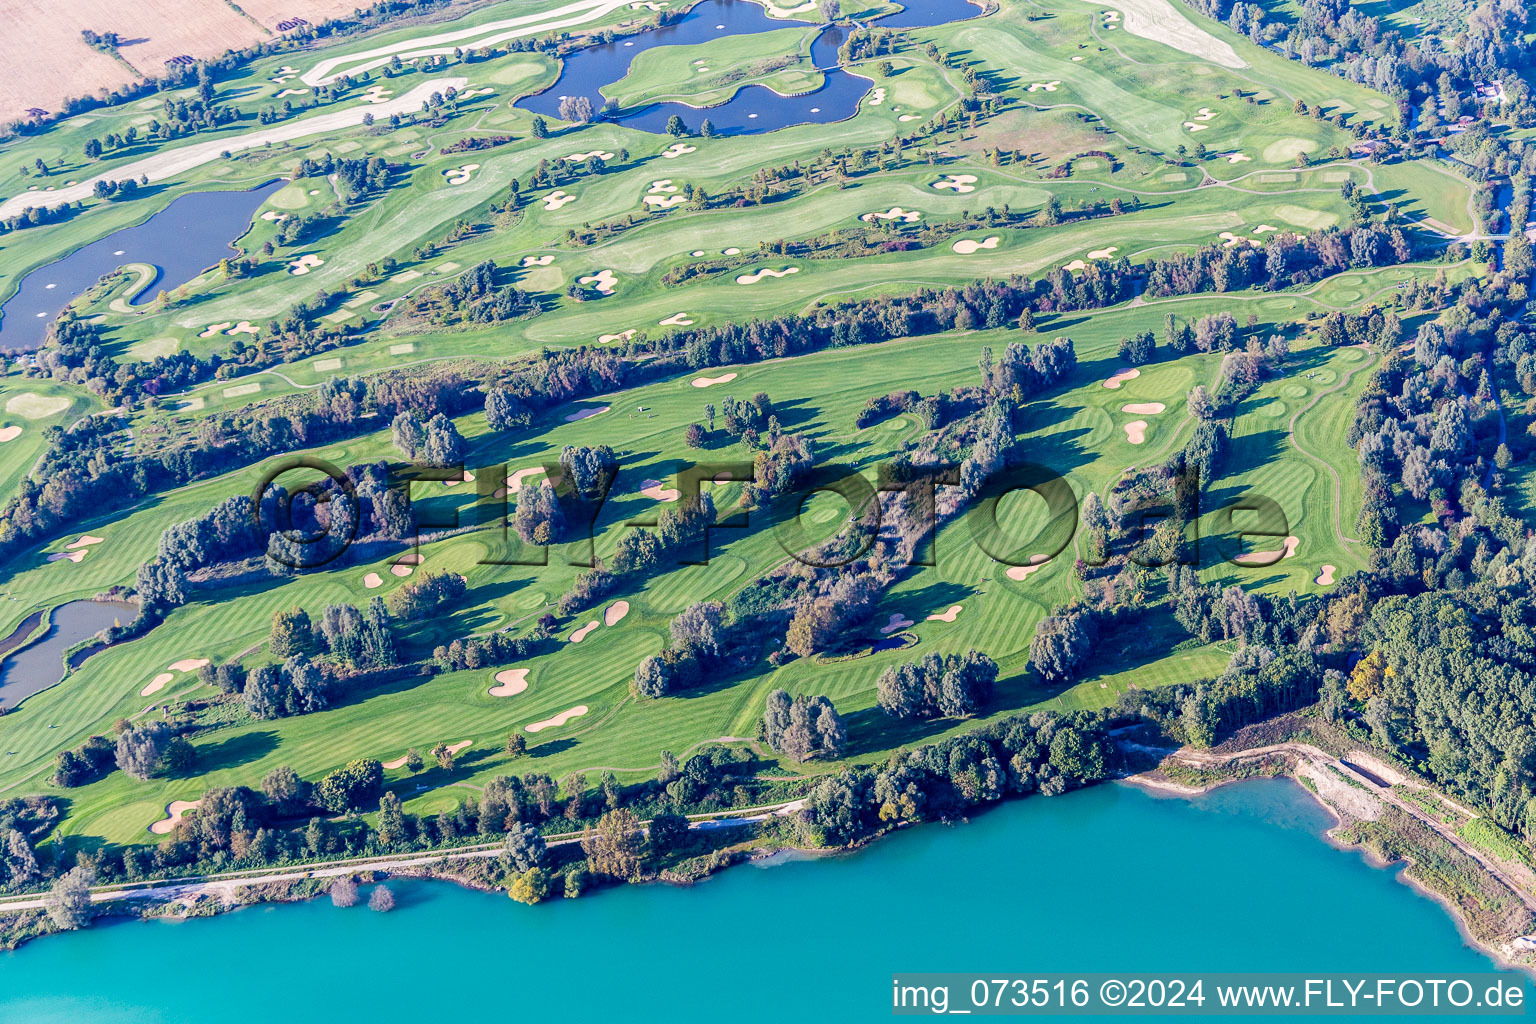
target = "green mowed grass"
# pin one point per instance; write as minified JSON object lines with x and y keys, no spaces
{"x":1128,"y":97}
{"x":707,"y":74}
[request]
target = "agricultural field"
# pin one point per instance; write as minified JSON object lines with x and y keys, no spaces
{"x":435,"y":241}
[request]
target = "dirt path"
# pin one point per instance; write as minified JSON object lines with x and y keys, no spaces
{"x":226,"y":885}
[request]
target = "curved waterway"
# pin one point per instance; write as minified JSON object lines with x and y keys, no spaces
{"x":1108,"y":879}
{"x":40,"y":664}
{"x":754,"y":109}
{"x":190,"y":235}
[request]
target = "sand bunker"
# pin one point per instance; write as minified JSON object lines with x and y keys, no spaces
{"x":663,"y":187}
{"x":1076,"y":265}
{"x":1269,"y":557}
{"x":377,"y":94}
{"x":603,"y":281}
{"x":215,"y":329}
{"x":454,"y":748}
{"x":958,"y":182}
{"x":1229,"y":240}
{"x":515,"y":481}
{"x":558,"y":198}
{"x":615,"y":613}
{"x":537,"y":261}
{"x":678,"y":149}
{"x":894,"y":213}
{"x":1205,"y":114}
{"x":601,"y":154}
{"x":243,"y":327}
{"x":460,"y":175}
{"x":188,"y":664}
{"x":84,"y":542}
{"x":704,"y":382}
{"x":1104,"y":254}
{"x":510,"y":682}
{"x":1136,"y":431}
{"x":1045,"y":86}
{"x":677,"y":320}
{"x":757,"y":276}
{"x":157,"y":684}
{"x":877,"y":96}
{"x":581,"y":634}
{"x":1325,"y":578}
{"x":898,"y":621}
{"x":304,"y":264}
{"x":947,"y":615}
{"x":909,"y":117}
{"x":173,"y":812}
{"x":560,"y":719}
{"x":398,"y":762}
{"x":1143,"y":408}
{"x":8,"y":434}
{"x":664,"y":202}
{"x":1262,"y":228}
{"x":1036,"y":563}
{"x":373,"y":581}
{"x":1238,"y":158}
{"x":656,"y":492}
{"x":1120,"y":377}
{"x":581,"y":414}
{"x":967,"y":246}
{"x":274,"y":216}
{"x":66,"y":556}
{"x":1192,"y":126}
{"x":404,"y":564}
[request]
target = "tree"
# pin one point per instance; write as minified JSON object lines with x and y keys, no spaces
{"x":392,"y":828}
{"x":525,"y":848}
{"x":540,"y":128}
{"x":282,"y":786}
{"x":530,"y":887}
{"x":381,"y":899}
{"x":355,"y":785}
{"x":344,"y":892}
{"x":443,"y":756}
{"x":290,"y":632}
{"x":517,"y":746}
{"x":614,"y":847}
{"x":666,"y":830}
{"x":707,"y":129}
{"x":830,"y":10}
{"x":69,"y":901}
{"x":139,"y":748}
{"x":577,"y":109}
{"x":675,"y":127}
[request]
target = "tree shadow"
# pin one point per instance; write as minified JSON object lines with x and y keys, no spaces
{"x":234,"y":751}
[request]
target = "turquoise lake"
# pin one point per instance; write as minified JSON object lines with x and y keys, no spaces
{"x":1110,"y":879}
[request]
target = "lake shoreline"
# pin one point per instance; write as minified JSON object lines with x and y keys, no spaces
{"x":1501,"y":951}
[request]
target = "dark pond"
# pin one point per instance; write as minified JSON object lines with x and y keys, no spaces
{"x":754,"y":109}
{"x":41,"y":664}
{"x":181,"y":241}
